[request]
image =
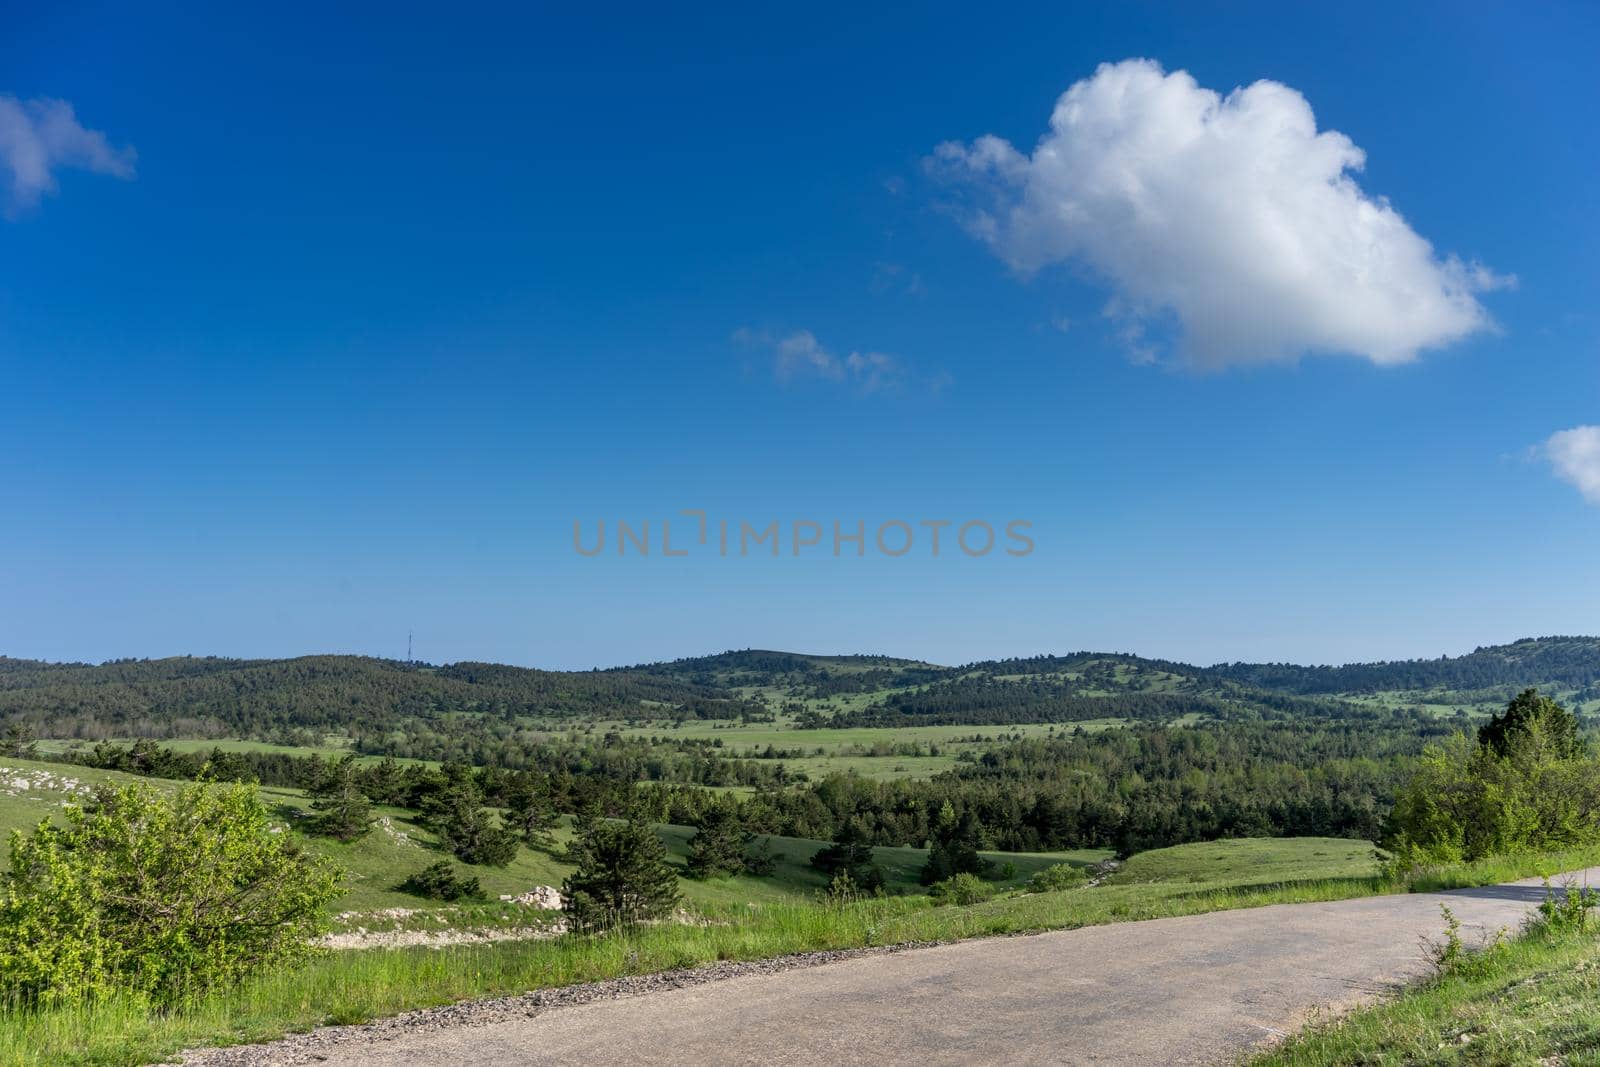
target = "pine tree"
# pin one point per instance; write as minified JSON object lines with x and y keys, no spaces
{"x":622,"y":879}
{"x":342,"y":809}
{"x":759,"y":858}
{"x":532,"y":810}
{"x":17,"y":742}
{"x":954,"y":848}
{"x":851,"y":852}
{"x":1502,"y":732}
{"x":718,"y":847}
{"x":465,"y":827}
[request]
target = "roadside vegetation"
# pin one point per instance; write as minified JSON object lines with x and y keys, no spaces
{"x":355,"y":986}
{"x":1525,"y":782}
{"x":1533,"y":999}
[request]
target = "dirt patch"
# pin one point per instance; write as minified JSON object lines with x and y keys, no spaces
{"x":359,"y":939}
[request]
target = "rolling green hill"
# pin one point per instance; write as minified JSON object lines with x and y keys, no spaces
{"x":1553,"y":662}
{"x":212,"y":697}
{"x":400,"y":845}
{"x":299,"y":701}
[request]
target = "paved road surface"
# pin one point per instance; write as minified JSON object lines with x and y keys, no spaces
{"x":1194,"y":990}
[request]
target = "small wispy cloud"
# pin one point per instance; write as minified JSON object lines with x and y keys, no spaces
{"x":41,"y":136}
{"x":798,"y":356}
{"x":894,"y":277}
{"x":1574,"y":455}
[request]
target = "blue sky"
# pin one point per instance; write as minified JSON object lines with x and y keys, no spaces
{"x":343,"y":321}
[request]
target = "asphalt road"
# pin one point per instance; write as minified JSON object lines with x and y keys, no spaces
{"x":1201,"y":989}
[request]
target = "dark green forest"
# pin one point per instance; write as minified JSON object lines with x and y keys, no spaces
{"x":291,"y":699}
{"x":1202,"y":753}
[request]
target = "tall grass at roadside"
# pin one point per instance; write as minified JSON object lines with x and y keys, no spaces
{"x":1531,"y":999}
{"x":1495,"y":869}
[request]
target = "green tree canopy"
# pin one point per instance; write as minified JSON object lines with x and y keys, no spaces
{"x":342,"y":808}
{"x":718,"y":847}
{"x":157,"y":895}
{"x":851,"y":854}
{"x":623,"y":878}
{"x":1527,"y":785}
{"x":1557,"y":725}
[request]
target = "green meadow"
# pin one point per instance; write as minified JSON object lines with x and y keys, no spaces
{"x":400,"y":845}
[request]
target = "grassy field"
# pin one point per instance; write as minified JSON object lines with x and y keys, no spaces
{"x":368,"y":984}
{"x":1248,"y":861}
{"x":400,"y":846}
{"x":867,"y":751}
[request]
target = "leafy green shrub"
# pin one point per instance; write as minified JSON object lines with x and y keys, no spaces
{"x":1058,"y":876}
{"x":1525,"y":785}
{"x":842,"y":889}
{"x":439,"y":881}
{"x":962,"y":888}
{"x":156,"y":895}
{"x":1567,"y":912}
{"x":1006,"y":872}
{"x":623,"y":878}
{"x":1452,"y":959}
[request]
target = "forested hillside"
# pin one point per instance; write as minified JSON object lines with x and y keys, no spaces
{"x":213,"y":697}
{"x":1572,"y":662}
{"x":290,"y":700}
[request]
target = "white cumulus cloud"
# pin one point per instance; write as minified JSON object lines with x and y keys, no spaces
{"x":1231,"y":216}
{"x":1575,"y":456}
{"x":39,"y":137}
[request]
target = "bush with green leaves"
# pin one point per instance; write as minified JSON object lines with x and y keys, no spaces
{"x":1056,"y":877}
{"x":1564,"y":912}
{"x":1525,"y":784}
{"x":623,"y":878}
{"x":1452,"y":958}
{"x":842,"y":889}
{"x":158,"y":895}
{"x":439,"y":881}
{"x":964,"y":888}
